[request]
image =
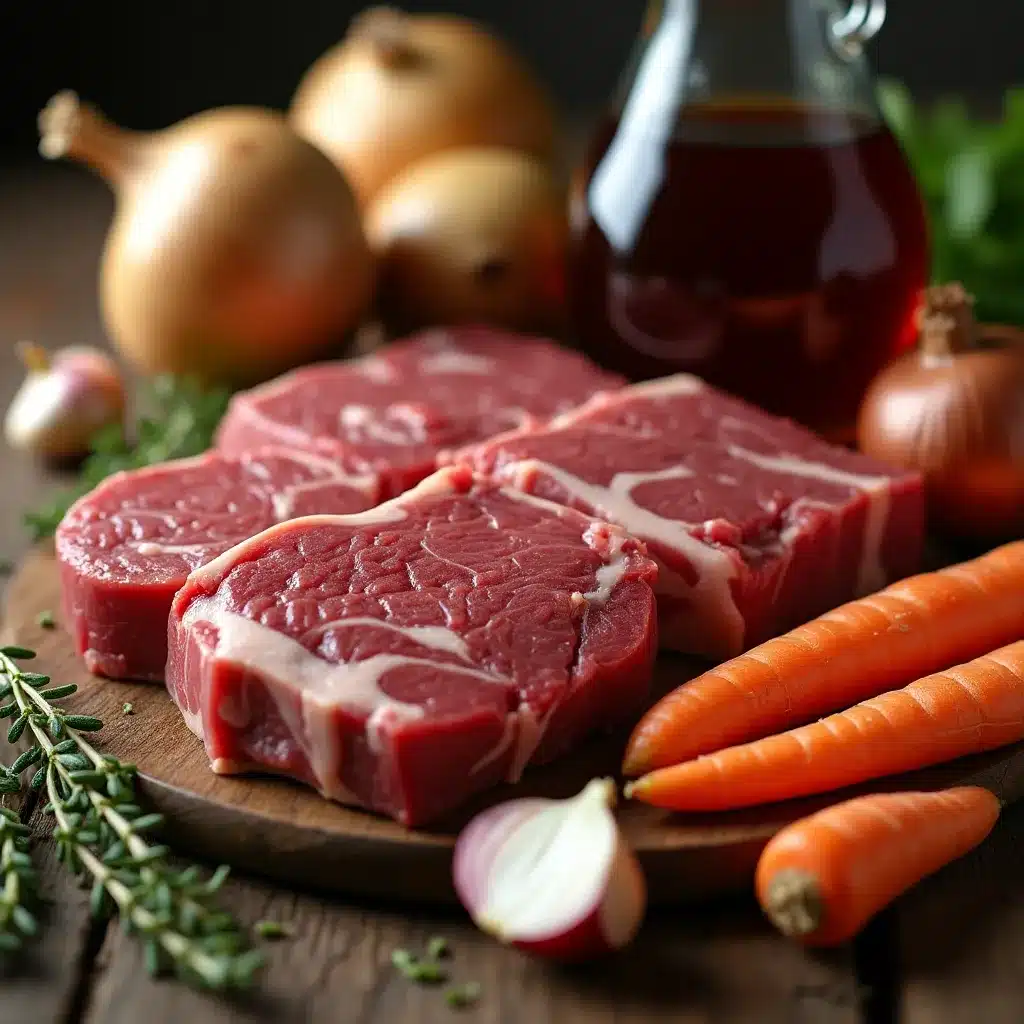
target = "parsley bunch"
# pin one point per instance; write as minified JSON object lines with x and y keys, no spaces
{"x":971,"y":175}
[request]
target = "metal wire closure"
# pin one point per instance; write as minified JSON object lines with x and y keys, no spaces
{"x":862,"y":21}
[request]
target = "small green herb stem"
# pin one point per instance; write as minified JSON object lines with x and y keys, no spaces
{"x":12,"y":882}
{"x":133,"y":842}
{"x":178,"y":946}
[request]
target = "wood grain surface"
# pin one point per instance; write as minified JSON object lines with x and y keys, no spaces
{"x":951,"y":952}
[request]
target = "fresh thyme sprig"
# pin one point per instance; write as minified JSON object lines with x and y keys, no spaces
{"x":99,"y":833}
{"x":19,"y":895}
{"x":181,"y":422}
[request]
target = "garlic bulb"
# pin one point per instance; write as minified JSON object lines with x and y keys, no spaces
{"x":553,"y":877}
{"x":63,"y":401}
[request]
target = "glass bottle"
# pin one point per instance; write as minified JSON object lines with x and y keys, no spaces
{"x":744,"y":213}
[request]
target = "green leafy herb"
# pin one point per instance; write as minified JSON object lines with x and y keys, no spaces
{"x":45,"y":619}
{"x":127,"y":708}
{"x":182,"y":423}
{"x":99,"y":831}
{"x":273,"y":930}
{"x":437,"y":948}
{"x":423,"y":972}
{"x":971,"y":174}
{"x":403,"y":961}
{"x":458,"y":997}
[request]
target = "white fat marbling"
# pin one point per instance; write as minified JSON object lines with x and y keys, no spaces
{"x":193,"y":719}
{"x":323,"y":686}
{"x":871,"y":575}
{"x":454,"y":361}
{"x":609,"y":575}
{"x":375,"y":369}
{"x":662,"y":387}
{"x":438,"y":638}
{"x":149,"y":548}
{"x":615,"y":502}
{"x":371,"y":423}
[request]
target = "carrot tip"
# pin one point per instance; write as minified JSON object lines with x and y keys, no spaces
{"x":793,"y":904}
{"x":631,"y":787}
{"x":634,"y":763}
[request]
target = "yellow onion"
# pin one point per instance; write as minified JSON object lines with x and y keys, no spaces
{"x":954,"y":410}
{"x":474,"y":235}
{"x":400,"y":86}
{"x":236,"y":250}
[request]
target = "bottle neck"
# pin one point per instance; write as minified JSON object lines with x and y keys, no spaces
{"x":770,"y":51}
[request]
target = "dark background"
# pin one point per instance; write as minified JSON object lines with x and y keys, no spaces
{"x":150,"y":63}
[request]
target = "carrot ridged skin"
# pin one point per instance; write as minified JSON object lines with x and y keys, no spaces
{"x":821,"y":879}
{"x":964,"y":710}
{"x":919,"y":625}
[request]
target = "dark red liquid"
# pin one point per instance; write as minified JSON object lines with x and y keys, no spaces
{"x":778,"y":253}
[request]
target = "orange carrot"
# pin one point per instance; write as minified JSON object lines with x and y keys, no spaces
{"x":821,"y":879}
{"x":964,"y":710}
{"x":919,"y":625}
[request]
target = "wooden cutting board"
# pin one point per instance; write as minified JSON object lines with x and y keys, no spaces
{"x":287,"y":832}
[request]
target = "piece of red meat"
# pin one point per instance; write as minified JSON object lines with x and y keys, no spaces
{"x":406,"y":657}
{"x":392,"y":412}
{"x":757,"y":523}
{"x":127,"y":546}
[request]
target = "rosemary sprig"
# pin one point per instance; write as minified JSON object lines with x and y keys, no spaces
{"x":99,"y":833}
{"x":182,"y":421}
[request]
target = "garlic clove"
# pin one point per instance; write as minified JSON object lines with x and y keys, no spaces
{"x":553,"y":877}
{"x":63,"y":401}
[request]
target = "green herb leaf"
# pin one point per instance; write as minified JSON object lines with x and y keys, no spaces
{"x":83,"y":723}
{"x":17,"y":653}
{"x":971,"y":175}
{"x":970,"y":192}
{"x":15,"y":731}
{"x":273,"y":930}
{"x":437,"y":948}
{"x":29,"y":757}
{"x":127,"y":708}
{"x":46,"y":619}
{"x":458,"y":997}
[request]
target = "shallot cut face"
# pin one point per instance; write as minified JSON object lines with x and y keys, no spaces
{"x":554,"y":877}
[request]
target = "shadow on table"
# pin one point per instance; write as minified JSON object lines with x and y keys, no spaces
{"x":973,"y":902}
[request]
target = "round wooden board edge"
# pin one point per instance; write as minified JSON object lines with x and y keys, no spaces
{"x":315,"y":844}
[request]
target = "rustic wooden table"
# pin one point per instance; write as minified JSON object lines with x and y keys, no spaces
{"x":952,"y":952}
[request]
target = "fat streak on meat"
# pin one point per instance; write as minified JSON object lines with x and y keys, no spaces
{"x":128,"y":546}
{"x":392,"y":412}
{"x":408,"y":656}
{"x":757,"y":524}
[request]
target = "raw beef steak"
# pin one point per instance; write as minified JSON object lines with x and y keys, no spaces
{"x":392,"y":412}
{"x":127,"y":546}
{"x":408,"y":656}
{"x":758,"y":525}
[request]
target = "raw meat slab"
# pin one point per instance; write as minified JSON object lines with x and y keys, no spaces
{"x":392,"y":412}
{"x":406,"y":657}
{"x":127,"y":546}
{"x":758,"y":524}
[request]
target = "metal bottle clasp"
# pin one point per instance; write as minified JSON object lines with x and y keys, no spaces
{"x":850,"y":31}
